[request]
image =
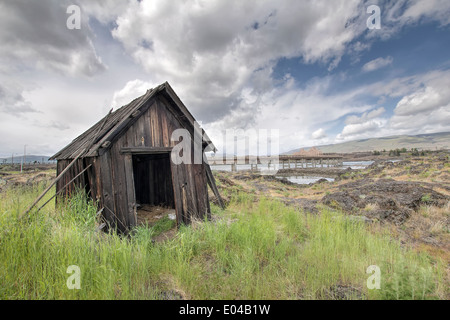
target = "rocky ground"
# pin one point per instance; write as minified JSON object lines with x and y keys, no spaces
{"x":12,"y":177}
{"x":410,"y":197}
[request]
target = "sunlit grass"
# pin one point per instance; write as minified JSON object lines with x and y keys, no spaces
{"x":255,"y":249}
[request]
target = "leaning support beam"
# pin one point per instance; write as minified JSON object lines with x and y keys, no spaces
{"x":63,"y":188}
{"x":212,"y":184}
{"x":68,"y":167}
{"x":51,"y":185}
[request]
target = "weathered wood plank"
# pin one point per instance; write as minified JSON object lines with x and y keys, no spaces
{"x":82,"y":172}
{"x":177,"y":193}
{"x":186,"y":215}
{"x":212,"y":184}
{"x":199,"y":185}
{"x":61,"y":175}
{"x":131,"y":195}
{"x":108,"y":191}
{"x":119,"y":185}
{"x":192,"y":192}
{"x":145,"y":150}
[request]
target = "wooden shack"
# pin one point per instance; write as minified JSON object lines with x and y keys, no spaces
{"x":124,"y":161}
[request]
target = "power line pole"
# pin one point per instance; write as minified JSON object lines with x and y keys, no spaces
{"x":23,"y":158}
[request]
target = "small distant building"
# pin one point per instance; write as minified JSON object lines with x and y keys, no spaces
{"x":126,"y":157}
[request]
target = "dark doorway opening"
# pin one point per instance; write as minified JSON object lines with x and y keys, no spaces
{"x":153,"y":180}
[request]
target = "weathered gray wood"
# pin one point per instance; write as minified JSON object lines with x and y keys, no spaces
{"x":193,"y":199}
{"x":100,"y":227}
{"x":122,"y":126}
{"x":100,"y":212}
{"x":107,"y":190}
{"x":141,"y":132}
{"x":119,"y":186}
{"x":212,"y":184}
{"x":74,"y":161}
{"x":51,"y":186}
{"x":177,"y":193}
{"x":131,"y":195}
{"x":62,"y":189}
{"x":145,"y":150}
{"x":185,"y":210}
{"x":201,"y":188}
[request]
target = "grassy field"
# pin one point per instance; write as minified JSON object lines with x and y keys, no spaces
{"x":254,"y":249}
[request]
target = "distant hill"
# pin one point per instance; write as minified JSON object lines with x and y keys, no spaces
{"x":29,"y":159}
{"x":434,"y":141}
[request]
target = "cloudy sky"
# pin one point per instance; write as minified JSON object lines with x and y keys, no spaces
{"x":311,"y":69}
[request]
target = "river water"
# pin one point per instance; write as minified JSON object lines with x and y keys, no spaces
{"x":299,"y":179}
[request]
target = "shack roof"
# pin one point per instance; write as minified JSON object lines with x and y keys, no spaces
{"x":112,"y":125}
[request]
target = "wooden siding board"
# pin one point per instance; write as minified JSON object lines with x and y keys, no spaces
{"x":145,"y":150}
{"x":120,"y":191}
{"x":131,"y":195}
{"x":191,"y":189}
{"x":108,"y":190}
{"x":201,"y":191}
{"x":177,"y":193}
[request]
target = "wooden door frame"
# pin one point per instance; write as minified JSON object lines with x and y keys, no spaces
{"x":131,"y":191}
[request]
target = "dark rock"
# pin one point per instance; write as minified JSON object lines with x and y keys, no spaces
{"x":37,"y":178}
{"x":397,"y":217}
{"x":170,"y":295}
{"x":342,"y":200}
{"x":226,"y":181}
{"x":343,"y":292}
{"x":394,"y":200}
{"x":379,"y":165}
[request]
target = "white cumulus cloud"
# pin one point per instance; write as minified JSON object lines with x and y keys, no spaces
{"x":377,"y":64}
{"x":132,"y":90}
{"x":319,"y":134}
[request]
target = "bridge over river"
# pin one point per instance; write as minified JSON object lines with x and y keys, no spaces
{"x":279,"y":162}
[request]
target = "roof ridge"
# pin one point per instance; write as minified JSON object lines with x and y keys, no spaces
{"x":111,"y":125}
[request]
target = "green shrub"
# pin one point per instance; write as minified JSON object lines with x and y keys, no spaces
{"x":426,"y":198}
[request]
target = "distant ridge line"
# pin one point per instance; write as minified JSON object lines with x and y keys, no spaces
{"x":431,"y":141}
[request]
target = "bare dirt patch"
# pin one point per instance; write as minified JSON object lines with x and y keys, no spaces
{"x":25,"y":178}
{"x":147,"y":214}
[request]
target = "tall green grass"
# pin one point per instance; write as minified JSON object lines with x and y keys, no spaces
{"x":252,"y":250}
